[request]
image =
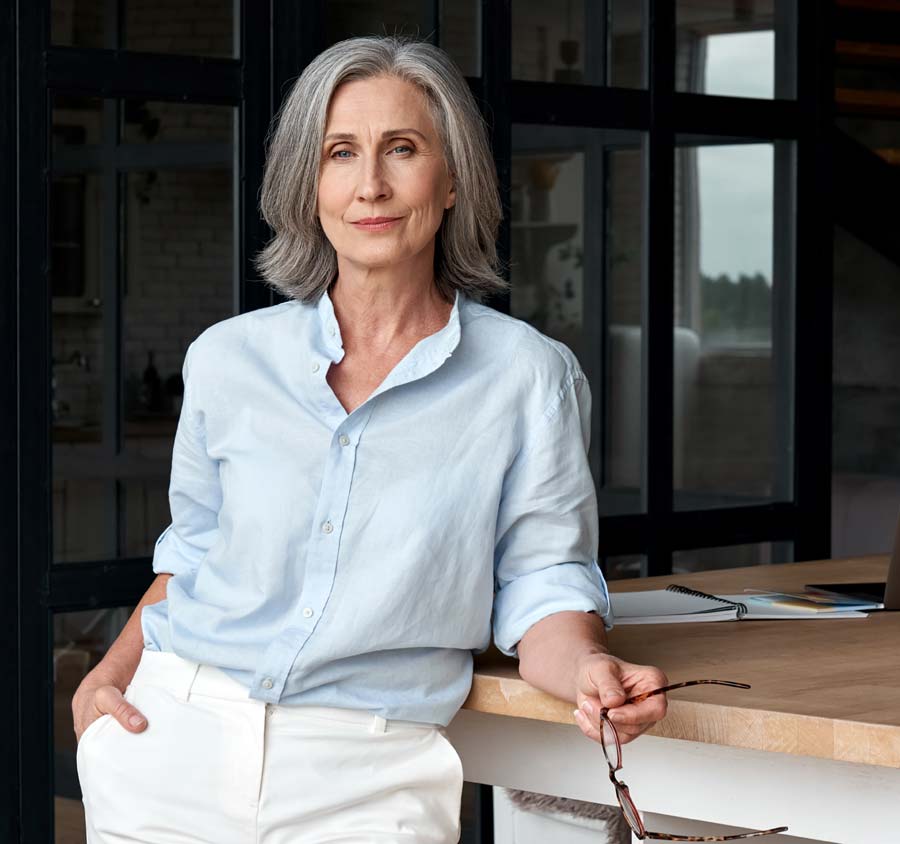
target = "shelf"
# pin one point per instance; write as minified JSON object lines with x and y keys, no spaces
{"x":853,"y":101}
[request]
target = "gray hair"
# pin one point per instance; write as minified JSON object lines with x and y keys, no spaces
{"x":300,"y":262}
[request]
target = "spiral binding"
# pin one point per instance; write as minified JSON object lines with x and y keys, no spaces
{"x":684,"y":590}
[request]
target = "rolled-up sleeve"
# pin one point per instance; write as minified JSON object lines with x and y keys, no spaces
{"x":547,"y":527}
{"x":195,"y":493}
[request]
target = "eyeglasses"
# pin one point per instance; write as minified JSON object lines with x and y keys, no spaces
{"x":612,"y":749}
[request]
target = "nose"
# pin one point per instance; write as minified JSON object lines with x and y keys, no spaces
{"x":373,"y":185}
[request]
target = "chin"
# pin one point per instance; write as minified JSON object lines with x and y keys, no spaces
{"x":377,"y":259}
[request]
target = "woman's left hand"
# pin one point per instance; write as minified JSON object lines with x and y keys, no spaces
{"x":604,"y":682}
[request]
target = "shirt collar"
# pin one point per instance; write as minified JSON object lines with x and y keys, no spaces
{"x":433,"y":349}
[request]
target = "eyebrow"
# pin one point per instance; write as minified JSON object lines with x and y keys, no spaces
{"x":390,"y":133}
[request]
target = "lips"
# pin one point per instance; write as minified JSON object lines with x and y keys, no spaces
{"x":372,"y":224}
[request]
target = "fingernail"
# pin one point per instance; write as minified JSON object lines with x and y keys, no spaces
{"x":587,"y":708}
{"x":579,"y":716}
{"x":135,"y":720}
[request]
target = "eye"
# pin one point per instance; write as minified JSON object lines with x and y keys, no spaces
{"x":337,"y":153}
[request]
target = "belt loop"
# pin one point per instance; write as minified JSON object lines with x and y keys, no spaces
{"x":378,"y":725}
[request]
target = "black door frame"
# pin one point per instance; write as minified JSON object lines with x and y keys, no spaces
{"x":278,"y":39}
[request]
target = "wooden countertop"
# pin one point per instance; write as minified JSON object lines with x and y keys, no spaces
{"x":820,"y":687}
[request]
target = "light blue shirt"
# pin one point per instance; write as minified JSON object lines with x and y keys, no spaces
{"x":360,"y":560}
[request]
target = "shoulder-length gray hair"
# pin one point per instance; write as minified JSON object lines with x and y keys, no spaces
{"x":300,"y":262}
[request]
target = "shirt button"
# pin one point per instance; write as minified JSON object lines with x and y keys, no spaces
{"x":345,"y":440}
{"x":267,"y":683}
{"x":327,"y":527}
{"x":315,"y":367}
{"x":307,"y":612}
{"x":332,"y":331}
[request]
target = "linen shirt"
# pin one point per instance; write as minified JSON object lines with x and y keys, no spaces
{"x":360,"y":560}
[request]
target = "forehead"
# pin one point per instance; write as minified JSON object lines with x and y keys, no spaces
{"x":380,"y":102}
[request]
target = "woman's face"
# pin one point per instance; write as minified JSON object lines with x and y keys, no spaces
{"x":387,"y":162}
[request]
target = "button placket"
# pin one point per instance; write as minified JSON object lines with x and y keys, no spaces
{"x":321,"y":562}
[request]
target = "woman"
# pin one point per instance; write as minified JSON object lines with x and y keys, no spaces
{"x":365,"y":478}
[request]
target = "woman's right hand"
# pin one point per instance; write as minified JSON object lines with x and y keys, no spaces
{"x":95,"y":698}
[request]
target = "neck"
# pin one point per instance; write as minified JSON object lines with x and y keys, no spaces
{"x":379,"y":316}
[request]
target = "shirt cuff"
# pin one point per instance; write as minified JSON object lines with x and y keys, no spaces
{"x":524,"y":601}
{"x":172,"y":555}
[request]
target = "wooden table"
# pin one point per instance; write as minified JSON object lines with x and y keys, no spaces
{"x":813,"y":745}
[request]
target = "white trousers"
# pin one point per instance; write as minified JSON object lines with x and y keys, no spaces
{"x":215,"y":766}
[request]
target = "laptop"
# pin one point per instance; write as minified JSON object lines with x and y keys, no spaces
{"x":887,"y":593}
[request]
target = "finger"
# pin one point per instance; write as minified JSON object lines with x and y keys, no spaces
{"x":591,"y":707}
{"x":644,"y":678}
{"x":588,"y":727}
{"x":627,"y":734}
{"x":611,"y":696}
{"x":131,"y":718}
{"x":629,"y":714}
{"x":110,"y":699}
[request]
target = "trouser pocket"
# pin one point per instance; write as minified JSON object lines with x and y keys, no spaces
{"x":183,"y":777}
{"x":92,"y":733}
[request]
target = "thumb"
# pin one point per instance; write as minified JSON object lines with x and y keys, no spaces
{"x":611,"y":693}
{"x":609,"y":685}
{"x":601,"y":677}
{"x":120,"y":709}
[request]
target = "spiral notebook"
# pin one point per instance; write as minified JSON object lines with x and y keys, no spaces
{"x":676,"y":604}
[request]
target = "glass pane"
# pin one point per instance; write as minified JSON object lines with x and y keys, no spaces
{"x":735,"y":49}
{"x":460,"y":34}
{"x":145,"y":122}
{"x":624,"y":566}
{"x":733,"y":314}
{"x":172,"y":239}
{"x":82,"y":495}
{"x":80,"y":641}
{"x":179,"y":278}
{"x":77,"y":121}
{"x":457,"y":24}
{"x":620,"y":491}
{"x":568,"y":43}
{"x":349,"y":18}
{"x":567,"y":182}
{"x":198,"y":29}
{"x":732,"y":556}
{"x":79,"y":23}
{"x":627,"y":66}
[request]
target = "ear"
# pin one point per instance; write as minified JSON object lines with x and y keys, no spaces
{"x":451,"y":195}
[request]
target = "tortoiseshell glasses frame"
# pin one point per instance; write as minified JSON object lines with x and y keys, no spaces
{"x":612,"y":749}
